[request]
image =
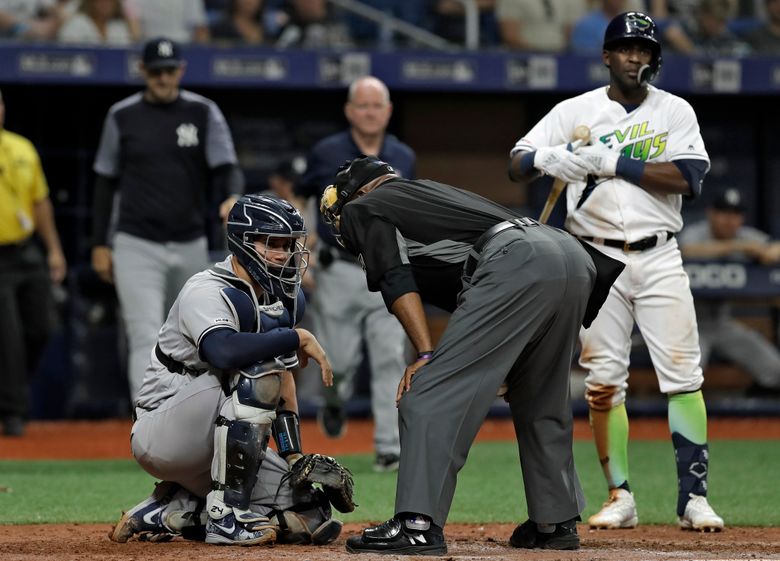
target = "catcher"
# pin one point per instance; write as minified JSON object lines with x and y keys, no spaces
{"x":219,"y":386}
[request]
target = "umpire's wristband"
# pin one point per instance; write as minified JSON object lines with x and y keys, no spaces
{"x":424,"y":355}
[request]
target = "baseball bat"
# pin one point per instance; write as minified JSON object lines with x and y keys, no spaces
{"x":581,"y":136}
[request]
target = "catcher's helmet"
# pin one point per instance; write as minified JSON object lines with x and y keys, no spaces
{"x":266,"y":217}
{"x":636,"y":25}
{"x":351,"y":176}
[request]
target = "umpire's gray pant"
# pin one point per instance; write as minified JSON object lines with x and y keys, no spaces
{"x":517,"y":320}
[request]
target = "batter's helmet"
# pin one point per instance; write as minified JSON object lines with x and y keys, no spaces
{"x":636,"y":25}
{"x":267,"y":217}
{"x":351,"y":176}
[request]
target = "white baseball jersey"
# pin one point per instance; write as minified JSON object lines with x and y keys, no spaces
{"x":662,"y":129}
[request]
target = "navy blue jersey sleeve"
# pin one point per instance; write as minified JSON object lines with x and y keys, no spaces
{"x":226,"y":349}
{"x":693,"y":171}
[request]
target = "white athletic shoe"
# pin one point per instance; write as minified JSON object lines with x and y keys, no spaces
{"x":618,"y":512}
{"x":699,"y":516}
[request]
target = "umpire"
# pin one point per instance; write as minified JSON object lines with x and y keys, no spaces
{"x":168,"y":153}
{"x":518,"y":292}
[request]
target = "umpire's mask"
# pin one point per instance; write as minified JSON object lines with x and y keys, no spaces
{"x":351,"y":176}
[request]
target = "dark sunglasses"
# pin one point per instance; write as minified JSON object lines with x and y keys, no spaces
{"x":161,"y":71}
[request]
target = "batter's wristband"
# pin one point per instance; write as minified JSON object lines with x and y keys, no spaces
{"x":630,"y":169}
{"x":425,"y":355}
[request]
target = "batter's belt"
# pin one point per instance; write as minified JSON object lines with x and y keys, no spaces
{"x":640,"y":245}
{"x":482,"y":241}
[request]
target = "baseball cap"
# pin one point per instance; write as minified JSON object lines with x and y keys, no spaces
{"x":730,"y":199}
{"x":162,"y":53}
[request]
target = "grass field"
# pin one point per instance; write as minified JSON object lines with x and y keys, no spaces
{"x":743,"y":487}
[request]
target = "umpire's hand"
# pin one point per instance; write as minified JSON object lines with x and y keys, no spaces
{"x":103,"y":263}
{"x":406,"y":382}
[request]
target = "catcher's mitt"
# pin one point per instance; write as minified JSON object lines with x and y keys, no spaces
{"x":335,"y":479}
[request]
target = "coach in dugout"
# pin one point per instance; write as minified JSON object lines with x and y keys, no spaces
{"x":166,"y":152}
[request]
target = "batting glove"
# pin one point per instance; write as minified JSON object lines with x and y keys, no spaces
{"x":559,"y":162}
{"x":601,"y":161}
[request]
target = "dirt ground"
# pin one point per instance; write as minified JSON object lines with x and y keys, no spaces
{"x":109,"y":439}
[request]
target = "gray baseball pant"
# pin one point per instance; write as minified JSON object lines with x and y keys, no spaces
{"x":517,"y":320}
{"x":344,"y":314}
{"x":148,"y":277}
{"x":175,"y":442}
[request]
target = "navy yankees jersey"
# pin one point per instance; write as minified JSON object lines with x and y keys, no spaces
{"x":161,"y":154}
{"x":414,"y":236}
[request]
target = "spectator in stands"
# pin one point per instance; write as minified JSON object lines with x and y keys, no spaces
{"x":367,"y":32}
{"x":180,"y":20}
{"x":724,"y":237}
{"x":345,"y":313}
{"x":38,"y":20}
{"x":587,"y":36}
{"x":97,"y":22}
{"x":711,"y":35}
{"x":165,"y":152}
{"x":449,"y":21}
{"x":310,"y":25}
{"x":538,"y":25}
{"x":766,"y":38}
{"x":26,"y":275}
{"x":241,"y":22}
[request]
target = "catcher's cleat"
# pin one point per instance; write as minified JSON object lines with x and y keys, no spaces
{"x":399,"y":537}
{"x":145,"y":520}
{"x":618,"y":512}
{"x":528,"y":536}
{"x":229,"y":531}
{"x":699,"y":516}
{"x":386,"y":462}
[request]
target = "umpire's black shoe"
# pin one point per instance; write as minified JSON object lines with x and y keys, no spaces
{"x":399,"y":537}
{"x":528,"y":536}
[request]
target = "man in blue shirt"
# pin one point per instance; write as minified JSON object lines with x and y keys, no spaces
{"x":345,"y":313}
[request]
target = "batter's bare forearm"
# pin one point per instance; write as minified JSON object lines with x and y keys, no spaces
{"x":664,"y":178}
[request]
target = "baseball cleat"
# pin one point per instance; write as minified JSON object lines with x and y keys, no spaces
{"x":618,"y":512}
{"x":528,"y":536}
{"x":699,"y":516}
{"x":145,"y":520}
{"x":229,"y":531}
{"x":397,"y":537}
{"x":386,"y":462}
{"x":332,"y":421}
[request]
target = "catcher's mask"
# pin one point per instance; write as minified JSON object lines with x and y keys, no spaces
{"x":633,"y":26}
{"x":351,"y":176}
{"x":280,"y":227}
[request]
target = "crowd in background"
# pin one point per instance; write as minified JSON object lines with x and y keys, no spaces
{"x":692,"y":27}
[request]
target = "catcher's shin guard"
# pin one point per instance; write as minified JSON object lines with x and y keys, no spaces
{"x":240,"y":444}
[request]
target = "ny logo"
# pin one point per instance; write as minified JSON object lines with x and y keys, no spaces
{"x":165,"y":49}
{"x":188,"y":135}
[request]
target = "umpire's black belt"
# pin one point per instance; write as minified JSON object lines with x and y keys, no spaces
{"x":640,"y":245}
{"x":488,"y":235}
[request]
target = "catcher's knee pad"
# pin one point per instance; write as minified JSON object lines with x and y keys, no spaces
{"x":255,"y":394}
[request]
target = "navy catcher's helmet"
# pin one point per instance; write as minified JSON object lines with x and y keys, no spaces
{"x":266,"y":217}
{"x":636,"y":25}
{"x":351,"y":176}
